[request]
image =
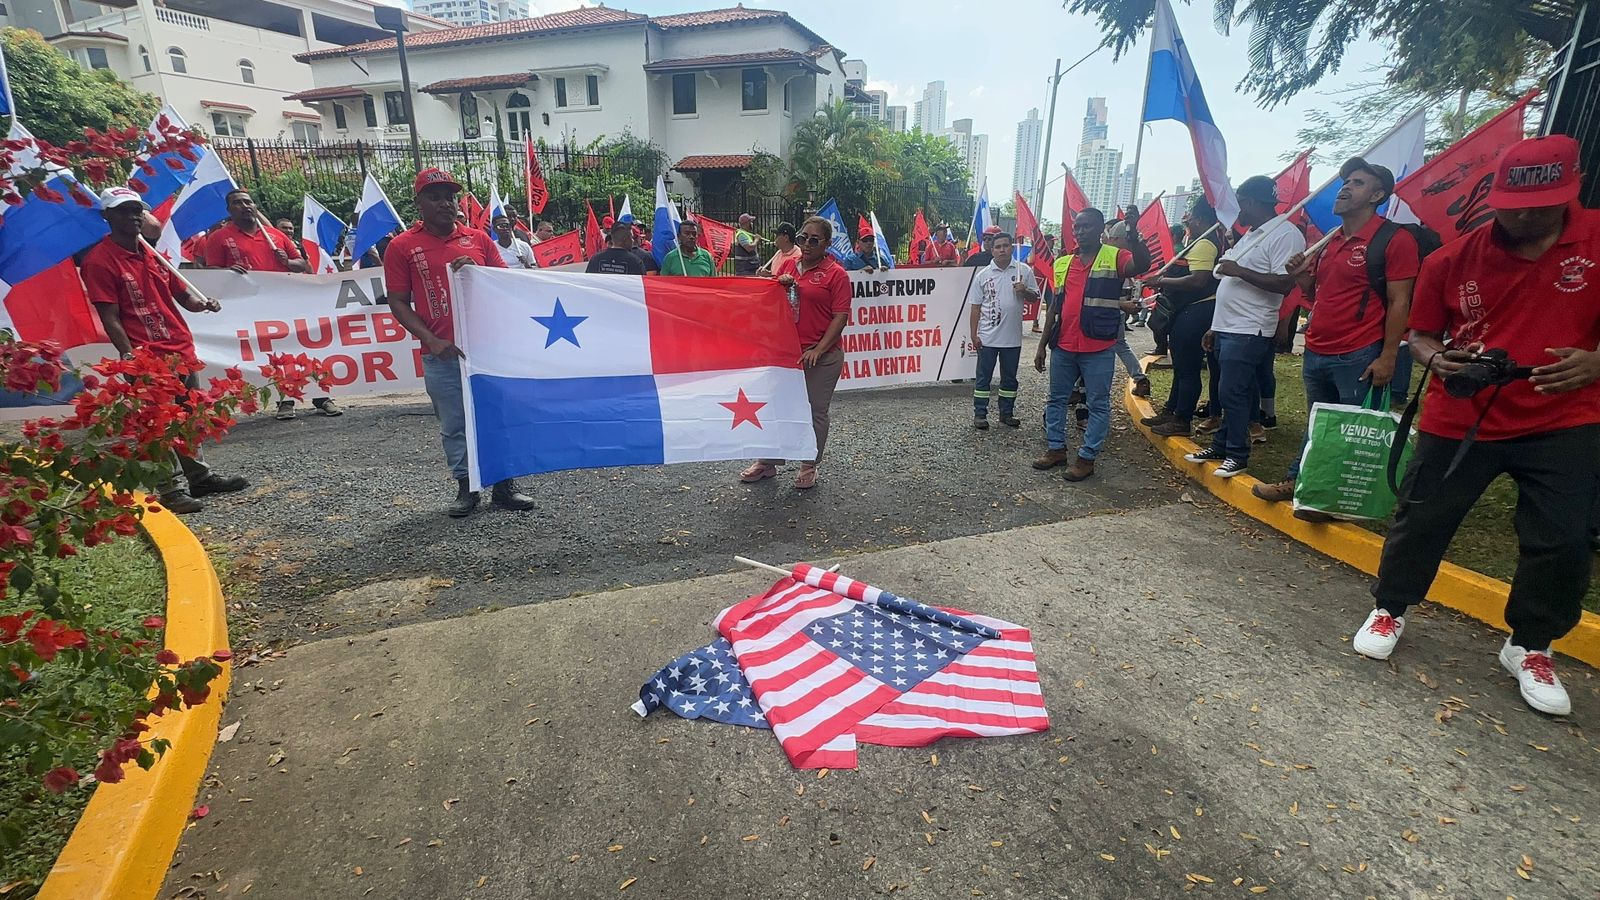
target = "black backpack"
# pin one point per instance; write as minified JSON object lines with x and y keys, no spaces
{"x":1427,"y":240}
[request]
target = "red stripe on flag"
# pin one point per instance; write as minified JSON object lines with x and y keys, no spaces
{"x":702,"y":325}
{"x":52,"y":306}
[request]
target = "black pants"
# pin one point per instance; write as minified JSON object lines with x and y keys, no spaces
{"x":1189,"y":328}
{"x":1557,"y":475}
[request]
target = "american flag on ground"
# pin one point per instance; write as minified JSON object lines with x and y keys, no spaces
{"x":829,"y":662}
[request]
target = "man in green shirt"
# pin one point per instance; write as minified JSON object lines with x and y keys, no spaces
{"x":689,"y":258}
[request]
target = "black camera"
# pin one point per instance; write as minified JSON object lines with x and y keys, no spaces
{"x":1491,"y":368}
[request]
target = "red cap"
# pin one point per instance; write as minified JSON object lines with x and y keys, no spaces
{"x":992,"y":229}
{"x":1536,"y":172}
{"x":864,"y":236}
{"x":432,"y":176}
{"x":607,"y":222}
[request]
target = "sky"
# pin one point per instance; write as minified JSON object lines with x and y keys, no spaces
{"x":996,"y":69}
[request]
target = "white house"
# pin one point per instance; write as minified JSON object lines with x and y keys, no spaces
{"x":710,"y":88}
{"x":224,"y":66}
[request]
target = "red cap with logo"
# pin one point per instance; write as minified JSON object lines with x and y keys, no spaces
{"x":429,"y":177}
{"x":1540,"y":171}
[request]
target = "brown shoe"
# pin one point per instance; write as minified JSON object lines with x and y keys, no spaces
{"x":1313,"y":516}
{"x":1275,"y":493}
{"x":1053,"y":458}
{"x":1171,"y":428}
{"x":1160,"y":418}
{"x":1209,"y":426}
{"x":1141,"y":387}
{"x":1258,"y":433}
{"x":1081,"y":468}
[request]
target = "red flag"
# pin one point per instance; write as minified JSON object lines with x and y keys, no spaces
{"x":1027,"y":223}
{"x":1073,"y":201}
{"x":919,"y":239}
{"x":1448,"y":193}
{"x":593,"y":242}
{"x":1157,"y":234}
{"x":52,"y":306}
{"x":538,"y":191}
{"x":862,"y":226}
{"x":1120,"y":214}
{"x":476,"y":214}
{"x":559,"y":250}
{"x":716,"y":237}
{"x":1294,"y":182}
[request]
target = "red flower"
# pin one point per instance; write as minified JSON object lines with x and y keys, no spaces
{"x":222,"y":655}
{"x":154,"y":622}
{"x":200,"y":812}
{"x":108,"y":772}
{"x":167,"y":657}
{"x":60,"y":778}
{"x":194,"y":697}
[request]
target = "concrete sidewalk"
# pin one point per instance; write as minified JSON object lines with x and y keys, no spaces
{"x":1211,"y":725}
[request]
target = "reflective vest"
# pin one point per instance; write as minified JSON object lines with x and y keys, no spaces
{"x":1101,"y":316}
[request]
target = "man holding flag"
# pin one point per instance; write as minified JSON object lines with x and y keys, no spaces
{"x":940,"y":250}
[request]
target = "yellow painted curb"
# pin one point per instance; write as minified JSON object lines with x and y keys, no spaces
{"x":123,"y":844}
{"x":1475,"y":594}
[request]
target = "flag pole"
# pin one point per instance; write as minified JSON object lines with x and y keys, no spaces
{"x":187,"y":284}
{"x":1182,"y":253}
{"x":1138,"y":144}
{"x":785,"y":572}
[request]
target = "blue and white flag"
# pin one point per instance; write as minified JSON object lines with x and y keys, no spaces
{"x":981,"y":217}
{"x":159,"y":178}
{"x":1174,"y":93}
{"x":320,"y":233}
{"x":8,"y":107}
{"x":885,"y":255}
{"x":37,"y":234}
{"x":375,"y":218}
{"x":664,"y":230}
{"x":840,"y":247}
{"x":626,"y":213}
{"x":497,"y":206}
{"x":1400,"y":151}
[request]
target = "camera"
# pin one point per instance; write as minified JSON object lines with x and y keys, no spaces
{"x":1491,"y":368}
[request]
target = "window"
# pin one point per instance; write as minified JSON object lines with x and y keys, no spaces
{"x":227,"y":124}
{"x":517,"y":112}
{"x":339,"y":121}
{"x":247,"y":71}
{"x":592,"y":83}
{"x":683,"y":94}
{"x":786,"y":95}
{"x":754,"y":95}
{"x":370,"y":110}
{"x":470,"y":126}
{"x":394,"y":108}
{"x":180,"y":63}
{"x":4,"y":11}
{"x":144,"y":59}
{"x":306,"y":132}
{"x":561,"y":93}
{"x":97,"y":58}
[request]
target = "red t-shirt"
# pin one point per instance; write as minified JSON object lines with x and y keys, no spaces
{"x":418,"y":262}
{"x":144,"y":292}
{"x":1342,"y":282}
{"x":229,"y":246}
{"x":824,"y":293}
{"x":1476,"y":291}
{"x":1072,"y":338}
{"x":939,"y":252}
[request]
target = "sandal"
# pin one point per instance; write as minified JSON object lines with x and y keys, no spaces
{"x":807,"y":478}
{"x":758,"y":472}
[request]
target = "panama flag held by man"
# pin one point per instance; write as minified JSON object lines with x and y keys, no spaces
{"x":1173,"y":92}
{"x":571,"y":371}
{"x":321,"y":233}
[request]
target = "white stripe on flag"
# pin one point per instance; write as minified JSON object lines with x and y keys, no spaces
{"x":881,"y":720}
{"x":985,"y":684}
{"x":824,"y":711}
{"x":802,"y":688}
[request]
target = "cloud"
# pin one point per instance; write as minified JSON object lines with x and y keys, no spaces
{"x":899,"y":94}
{"x":976,"y":92}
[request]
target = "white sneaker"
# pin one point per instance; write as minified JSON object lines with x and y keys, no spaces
{"x":1536,"y":677}
{"x":1378,"y":635}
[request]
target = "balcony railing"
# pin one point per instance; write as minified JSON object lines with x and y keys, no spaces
{"x":186,"y":20}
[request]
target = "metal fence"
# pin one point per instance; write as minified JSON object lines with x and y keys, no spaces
{"x":1575,"y":97}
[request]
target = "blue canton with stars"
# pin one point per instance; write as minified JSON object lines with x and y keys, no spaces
{"x":897,"y":648}
{"x":562,"y":327}
{"x":704,"y":684}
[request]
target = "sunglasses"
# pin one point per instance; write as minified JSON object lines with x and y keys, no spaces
{"x":812,"y":239}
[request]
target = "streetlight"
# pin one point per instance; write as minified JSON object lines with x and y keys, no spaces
{"x":811,"y":202}
{"x":393,"y":18}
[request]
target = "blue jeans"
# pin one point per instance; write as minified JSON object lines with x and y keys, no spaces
{"x":442,"y":378}
{"x":1337,"y":379}
{"x":1065,"y":369}
{"x":1007,"y":357}
{"x":1243,"y":356}
{"x":1130,"y":360}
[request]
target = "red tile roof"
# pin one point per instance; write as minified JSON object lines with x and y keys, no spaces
{"x":731,"y":16}
{"x":725,"y":161}
{"x":735,"y":59}
{"x":572,"y":19}
{"x":480,"y":82}
{"x":342,"y":92}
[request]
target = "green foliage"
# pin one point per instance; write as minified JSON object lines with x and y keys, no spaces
{"x":56,"y":98}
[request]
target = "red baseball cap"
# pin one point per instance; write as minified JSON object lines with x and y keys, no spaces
{"x":432,"y":176}
{"x":1540,"y":171}
{"x":992,"y":229}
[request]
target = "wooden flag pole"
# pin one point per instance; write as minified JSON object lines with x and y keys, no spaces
{"x":187,"y":284}
{"x":1312,"y":251}
{"x":1181,"y":253}
{"x":785,"y":572}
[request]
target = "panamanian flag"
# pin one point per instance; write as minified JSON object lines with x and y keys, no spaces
{"x":566,"y":370}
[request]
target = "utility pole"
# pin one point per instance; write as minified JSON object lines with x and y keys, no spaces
{"x":393,"y":19}
{"x":1049,"y":131}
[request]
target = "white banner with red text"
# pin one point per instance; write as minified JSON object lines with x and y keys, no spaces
{"x":908,"y":326}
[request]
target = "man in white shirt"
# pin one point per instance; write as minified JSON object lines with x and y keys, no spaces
{"x":514,"y":251}
{"x":1254,"y":279}
{"x":543,"y":231}
{"x":997,"y":295}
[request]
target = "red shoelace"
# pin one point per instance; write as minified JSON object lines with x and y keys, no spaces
{"x":1542,"y":667}
{"x":1384,"y":625}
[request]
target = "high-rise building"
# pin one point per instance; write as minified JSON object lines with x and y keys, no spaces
{"x":872,"y":105}
{"x":897,"y":118}
{"x":929,"y":112}
{"x":473,"y":12}
{"x":1098,"y":171}
{"x":1176,"y":202}
{"x":1094,"y":123}
{"x":1124,"y":192}
{"x":1025,"y":161}
{"x":973,"y":148}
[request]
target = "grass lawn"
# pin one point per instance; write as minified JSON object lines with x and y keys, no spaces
{"x":1487,"y":541}
{"x":124,"y":581}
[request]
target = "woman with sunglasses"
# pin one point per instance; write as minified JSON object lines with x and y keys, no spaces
{"x":819,"y":299}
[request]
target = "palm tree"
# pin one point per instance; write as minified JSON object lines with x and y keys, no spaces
{"x":835,"y":133}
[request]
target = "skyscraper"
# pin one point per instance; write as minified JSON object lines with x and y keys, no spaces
{"x":897,"y":118}
{"x":929,"y":113}
{"x":1025,"y":161}
{"x":1124,"y":192}
{"x":473,"y":13}
{"x":973,"y":148}
{"x":1098,"y":172}
{"x":1094,"y":123}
